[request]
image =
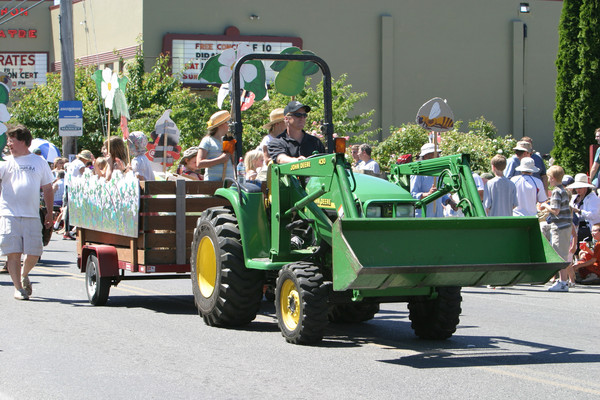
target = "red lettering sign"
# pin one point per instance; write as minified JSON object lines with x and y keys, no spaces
{"x":18,"y":33}
{"x":13,"y":11}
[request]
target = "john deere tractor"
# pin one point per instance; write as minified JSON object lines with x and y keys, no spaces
{"x":334,"y":245}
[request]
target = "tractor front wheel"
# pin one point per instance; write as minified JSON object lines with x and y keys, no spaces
{"x":437,"y":318}
{"x":226,"y":293}
{"x":301,"y":303}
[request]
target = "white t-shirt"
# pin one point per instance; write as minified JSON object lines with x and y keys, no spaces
{"x":530,"y":191}
{"x":22,"y":177}
{"x":141,"y":165}
{"x":371,"y":165}
{"x":75,"y":167}
{"x":214,"y":148}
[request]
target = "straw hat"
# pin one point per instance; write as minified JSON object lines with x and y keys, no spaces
{"x":523,"y":146}
{"x":581,"y":181}
{"x":187,"y":154}
{"x":527,"y":165}
{"x":275,"y":117}
{"x":218,"y":119}
{"x":86,"y":155}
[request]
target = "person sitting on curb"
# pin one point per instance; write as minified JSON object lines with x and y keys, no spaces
{"x":588,"y":267}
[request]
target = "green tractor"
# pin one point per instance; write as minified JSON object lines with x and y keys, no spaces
{"x":334,"y":245}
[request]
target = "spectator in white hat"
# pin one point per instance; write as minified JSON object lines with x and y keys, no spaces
{"x":524,"y":148}
{"x":422,"y":186}
{"x":585,"y":204}
{"x":530,"y":190}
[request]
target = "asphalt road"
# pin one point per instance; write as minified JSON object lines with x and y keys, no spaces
{"x":149,"y":343}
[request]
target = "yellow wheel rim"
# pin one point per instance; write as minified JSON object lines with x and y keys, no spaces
{"x":206,"y":267}
{"x":289,"y":302}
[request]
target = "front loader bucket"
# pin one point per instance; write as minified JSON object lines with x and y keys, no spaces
{"x":423,"y":252}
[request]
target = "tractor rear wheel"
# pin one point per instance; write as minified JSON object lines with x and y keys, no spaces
{"x":226,"y":293}
{"x":301,"y":303}
{"x":352,"y":313}
{"x":436,"y":319}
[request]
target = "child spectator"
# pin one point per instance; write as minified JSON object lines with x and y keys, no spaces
{"x":188,"y":167}
{"x":253,"y":161}
{"x":100,"y":167}
{"x":560,"y":219}
{"x":588,"y":267}
{"x":502,"y":193}
{"x":140,"y":164}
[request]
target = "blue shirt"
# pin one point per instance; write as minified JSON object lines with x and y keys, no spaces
{"x":514,"y":162}
{"x":419,"y":185}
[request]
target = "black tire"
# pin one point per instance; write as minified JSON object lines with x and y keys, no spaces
{"x":97,"y":288}
{"x":352,"y":313}
{"x":436,"y":319}
{"x":301,"y":303}
{"x":226,"y":293}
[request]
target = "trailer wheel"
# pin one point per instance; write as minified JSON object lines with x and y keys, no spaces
{"x":97,"y":287}
{"x":352,"y":313}
{"x":301,"y":303}
{"x":436,"y":319}
{"x":226,"y":293}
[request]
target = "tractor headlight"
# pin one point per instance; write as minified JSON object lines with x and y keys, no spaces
{"x":374,"y":212}
{"x":390,"y":210}
{"x":405,"y":210}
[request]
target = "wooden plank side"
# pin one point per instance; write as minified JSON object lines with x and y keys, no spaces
{"x":98,"y":237}
{"x":191,"y":204}
{"x":166,"y":239}
{"x":168,"y":187}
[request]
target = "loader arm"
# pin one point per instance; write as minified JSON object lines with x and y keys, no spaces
{"x":454,"y":176}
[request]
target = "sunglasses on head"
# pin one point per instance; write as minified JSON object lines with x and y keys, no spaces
{"x":298,"y":114}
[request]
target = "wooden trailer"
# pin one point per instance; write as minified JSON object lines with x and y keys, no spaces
{"x":168,"y":211}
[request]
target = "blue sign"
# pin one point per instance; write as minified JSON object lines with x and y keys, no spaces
{"x":70,"y":118}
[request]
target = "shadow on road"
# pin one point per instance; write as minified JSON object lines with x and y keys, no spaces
{"x":171,"y":304}
{"x":485,"y":351}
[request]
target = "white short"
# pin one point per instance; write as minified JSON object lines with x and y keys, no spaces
{"x":21,"y":235}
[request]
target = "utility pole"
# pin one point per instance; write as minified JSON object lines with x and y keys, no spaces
{"x":67,"y":62}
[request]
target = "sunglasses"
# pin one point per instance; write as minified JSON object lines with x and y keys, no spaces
{"x":298,"y":114}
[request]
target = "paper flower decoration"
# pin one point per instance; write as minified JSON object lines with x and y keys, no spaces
{"x":219,"y":69}
{"x":112,"y":89}
{"x":110,"y":82}
{"x":292,"y":74}
{"x":228,"y":58}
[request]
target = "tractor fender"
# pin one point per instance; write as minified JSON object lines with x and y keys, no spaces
{"x":108,"y":260}
{"x":254,"y":226}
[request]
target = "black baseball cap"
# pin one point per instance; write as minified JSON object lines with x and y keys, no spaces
{"x":294,"y":106}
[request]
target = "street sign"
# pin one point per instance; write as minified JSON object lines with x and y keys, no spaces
{"x":70,"y":118}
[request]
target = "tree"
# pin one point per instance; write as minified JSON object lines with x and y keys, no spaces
{"x":149,"y":94}
{"x":577,"y":112}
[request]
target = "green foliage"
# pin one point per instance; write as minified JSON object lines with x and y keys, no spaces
{"x":481,"y":142}
{"x":407,"y":139}
{"x":577,"y":112}
{"x":149,"y":94}
{"x":343,"y":99}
